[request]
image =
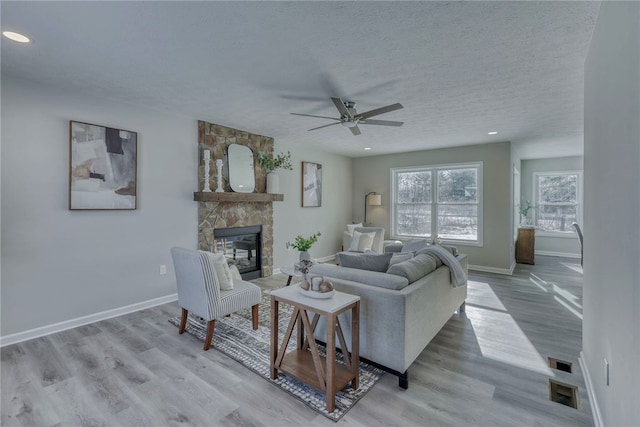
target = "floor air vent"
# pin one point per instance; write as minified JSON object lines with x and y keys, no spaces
{"x":563,"y":393}
{"x":560,"y":365}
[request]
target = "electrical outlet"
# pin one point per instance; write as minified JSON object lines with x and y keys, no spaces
{"x":163,"y":269}
{"x":606,"y":371}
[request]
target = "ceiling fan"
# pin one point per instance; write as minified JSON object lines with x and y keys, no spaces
{"x":350,"y":118}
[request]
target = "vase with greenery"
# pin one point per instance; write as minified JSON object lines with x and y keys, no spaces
{"x":303,"y":244}
{"x":524,"y":208}
{"x":270,"y":164}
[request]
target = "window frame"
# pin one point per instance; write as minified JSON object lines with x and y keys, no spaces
{"x":572,"y":234}
{"x":434,"y":169}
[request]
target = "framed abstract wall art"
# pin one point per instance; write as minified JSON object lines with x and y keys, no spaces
{"x":102,"y":167}
{"x":311,"y":184}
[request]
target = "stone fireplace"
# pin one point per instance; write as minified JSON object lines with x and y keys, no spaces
{"x":217,"y":215}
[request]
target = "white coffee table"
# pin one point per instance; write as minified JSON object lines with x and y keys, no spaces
{"x":291,"y":272}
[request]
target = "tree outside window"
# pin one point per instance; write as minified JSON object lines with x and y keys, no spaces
{"x":558,"y":201}
{"x":442,"y":200}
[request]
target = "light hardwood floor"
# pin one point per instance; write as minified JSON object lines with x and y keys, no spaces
{"x":487,"y":367}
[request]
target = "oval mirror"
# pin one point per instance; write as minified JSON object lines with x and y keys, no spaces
{"x":241,"y":174}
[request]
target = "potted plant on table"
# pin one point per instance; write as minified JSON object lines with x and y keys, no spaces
{"x":270,"y":165}
{"x":303,"y":244}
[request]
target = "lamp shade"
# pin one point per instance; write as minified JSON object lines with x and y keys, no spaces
{"x":374,"y":200}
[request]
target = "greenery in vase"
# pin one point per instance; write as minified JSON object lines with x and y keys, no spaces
{"x":303,"y":244}
{"x":271,"y":164}
{"x":524,"y":209}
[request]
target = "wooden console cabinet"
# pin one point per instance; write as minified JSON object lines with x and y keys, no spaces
{"x":525,"y":245}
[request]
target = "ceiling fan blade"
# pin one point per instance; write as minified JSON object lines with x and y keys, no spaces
{"x":311,"y":115}
{"x":380,"y":122}
{"x":324,"y":126}
{"x":381,"y":110}
{"x":344,"y":111}
{"x":355,"y":130}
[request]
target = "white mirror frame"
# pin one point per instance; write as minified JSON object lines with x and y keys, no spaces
{"x":241,"y":172}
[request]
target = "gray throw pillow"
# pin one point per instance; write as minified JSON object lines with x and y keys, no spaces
{"x":414,"y":245}
{"x":399,"y":257}
{"x":414,"y":268}
{"x":371,"y":262}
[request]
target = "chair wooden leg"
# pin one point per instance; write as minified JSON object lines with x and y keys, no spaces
{"x":254,"y":316}
{"x":183,"y":321}
{"x":207,"y":341}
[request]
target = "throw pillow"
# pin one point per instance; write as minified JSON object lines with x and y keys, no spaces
{"x":400,"y":257}
{"x":222,"y":270}
{"x":361,"y":242}
{"x":370,"y":262}
{"x":414,"y":268}
{"x":235,"y":273}
{"x":351,"y":228}
{"x":414,"y":245}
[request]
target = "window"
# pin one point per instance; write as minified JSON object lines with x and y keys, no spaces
{"x":444,"y":200}
{"x":558,"y":201}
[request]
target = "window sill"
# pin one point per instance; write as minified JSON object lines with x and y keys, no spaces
{"x":571,"y":235}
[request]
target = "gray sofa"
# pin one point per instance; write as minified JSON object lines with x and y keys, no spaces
{"x":399,"y":316}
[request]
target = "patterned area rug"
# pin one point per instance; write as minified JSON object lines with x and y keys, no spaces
{"x":235,"y":337}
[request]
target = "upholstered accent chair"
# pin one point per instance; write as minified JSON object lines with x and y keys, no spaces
{"x":199,"y":291}
{"x":376,"y":245}
{"x":579,"y":231}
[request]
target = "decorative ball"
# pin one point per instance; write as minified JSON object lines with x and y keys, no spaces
{"x":326,"y":286}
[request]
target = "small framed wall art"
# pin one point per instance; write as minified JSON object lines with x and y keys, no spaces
{"x":102,"y":167}
{"x":311,"y":184}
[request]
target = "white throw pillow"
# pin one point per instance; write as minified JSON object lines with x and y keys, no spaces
{"x":223,"y":272}
{"x":235,"y":273}
{"x":361,"y":242}
{"x":351,"y":228}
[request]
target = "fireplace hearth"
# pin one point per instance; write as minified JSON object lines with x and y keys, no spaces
{"x":242,"y":246}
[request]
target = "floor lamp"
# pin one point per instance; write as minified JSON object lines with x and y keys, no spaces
{"x":373,"y":199}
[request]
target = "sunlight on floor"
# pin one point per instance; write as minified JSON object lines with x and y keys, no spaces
{"x":562,"y":296}
{"x":575,"y":267}
{"x":498,"y":334}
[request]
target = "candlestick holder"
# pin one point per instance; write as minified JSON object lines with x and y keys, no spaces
{"x":206,"y":188}
{"x":219,"y":171}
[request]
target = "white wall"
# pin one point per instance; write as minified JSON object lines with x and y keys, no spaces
{"x":373,"y":174}
{"x":291,"y":219}
{"x":611,"y":307}
{"x":560,"y":245}
{"x":59,"y":265}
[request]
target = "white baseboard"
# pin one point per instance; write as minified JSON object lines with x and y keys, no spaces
{"x":595,"y":409}
{"x":506,"y":271}
{"x":557,"y":254}
{"x":79,"y":321}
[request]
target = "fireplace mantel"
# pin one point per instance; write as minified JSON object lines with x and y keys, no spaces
{"x":199,"y":196}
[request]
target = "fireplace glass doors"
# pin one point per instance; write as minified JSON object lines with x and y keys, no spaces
{"x":242,"y":247}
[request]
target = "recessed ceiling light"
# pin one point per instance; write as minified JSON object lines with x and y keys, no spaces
{"x":367,"y":148}
{"x":16,"y":37}
{"x":492,"y":133}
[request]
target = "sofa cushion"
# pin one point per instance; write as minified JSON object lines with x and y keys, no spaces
{"x":399,"y":257}
{"x":369,"y":278}
{"x":361,"y":242}
{"x":368,"y":261}
{"x":414,"y":245}
{"x":414,"y":268}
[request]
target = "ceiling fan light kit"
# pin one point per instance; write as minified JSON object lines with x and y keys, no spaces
{"x":350,"y":118}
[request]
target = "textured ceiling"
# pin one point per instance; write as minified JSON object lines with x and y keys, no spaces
{"x":461,"y":69}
